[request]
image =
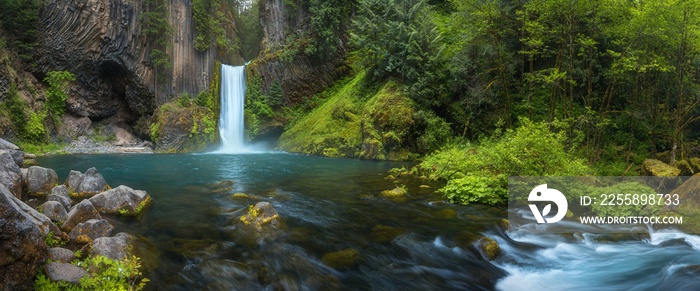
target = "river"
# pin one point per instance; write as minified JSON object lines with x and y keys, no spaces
{"x":329,"y":205}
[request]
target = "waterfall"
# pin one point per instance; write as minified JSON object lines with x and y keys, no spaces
{"x":232,"y":104}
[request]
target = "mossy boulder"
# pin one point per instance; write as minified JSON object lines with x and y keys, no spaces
{"x":342,"y":259}
{"x":385,"y":234}
{"x":260,"y":217}
{"x":86,"y":185}
{"x":446,"y":213}
{"x":121,"y":200}
{"x":489,"y":248}
{"x":240,"y":195}
{"x":689,"y":206}
{"x":393,"y":193}
{"x":652,"y":167}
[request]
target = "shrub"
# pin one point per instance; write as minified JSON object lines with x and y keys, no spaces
{"x":479,"y":174}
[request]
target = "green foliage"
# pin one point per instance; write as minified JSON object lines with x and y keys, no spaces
{"x":52,"y":241}
{"x":210,"y":19}
{"x":15,"y":107}
{"x":624,"y":209}
{"x":398,"y":39}
{"x":155,"y":26}
{"x":34,"y":130}
{"x":249,"y":30}
{"x":479,"y":174}
{"x":105,"y":274}
{"x":57,"y":92}
{"x":20,"y":20}
{"x":327,"y":19}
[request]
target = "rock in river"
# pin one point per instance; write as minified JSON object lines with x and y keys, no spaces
{"x":80,"y":213}
{"x":121,"y":200}
{"x":86,"y":185}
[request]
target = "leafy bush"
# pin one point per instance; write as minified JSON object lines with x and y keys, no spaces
{"x":34,"y":130}
{"x":479,"y":174}
{"x":105,"y":274}
{"x":56,"y":94}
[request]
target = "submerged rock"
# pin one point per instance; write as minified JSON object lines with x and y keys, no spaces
{"x":342,"y":259}
{"x":22,"y":246}
{"x":58,"y":272}
{"x":121,"y":200}
{"x":40,"y":180}
{"x":260,"y":217}
{"x":397,"y":192}
{"x":385,"y":234}
{"x":90,"y":230}
{"x":489,"y":248}
{"x":80,"y":213}
{"x":10,"y":175}
{"x":86,"y":185}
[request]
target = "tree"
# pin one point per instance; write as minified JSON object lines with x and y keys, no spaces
{"x":57,"y":92}
{"x":397,"y":39}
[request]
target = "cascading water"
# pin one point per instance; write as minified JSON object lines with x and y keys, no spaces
{"x":232,"y":105}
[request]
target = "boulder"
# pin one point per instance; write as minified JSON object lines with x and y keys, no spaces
{"x":86,"y":185}
{"x":80,"y":213}
{"x":90,"y":230}
{"x":10,"y":175}
{"x":342,"y":259}
{"x":13,"y":150}
{"x":61,"y":255}
{"x":22,"y":246}
{"x":57,"y":272}
{"x":54,"y":210}
{"x":652,"y":167}
{"x":40,"y":181}
{"x":489,"y":248}
{"x":121,"y":200}
{"x":60,"y":194}
{"x":260,"y":217}
{"x":17,"y":156}
{"x":6,"y":145}
{"x":116,"y":247}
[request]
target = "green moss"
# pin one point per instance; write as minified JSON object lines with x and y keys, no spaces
{"x":489,"y":248}
{"x":356,"y":121}
{"x":342,"y":259}
{"x":385,"y":234}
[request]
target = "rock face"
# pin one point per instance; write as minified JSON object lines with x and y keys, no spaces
{"x":87,"y":184}
{"x":40,"y":181}
{"x":100,"y":42}
{"x":657,"y":168}
{"x":22,"y":246}
{"x":10,"y":175}
{"x":116,"y":247}
{"x":64,"y":272}
{"x":121,"y":200}
{"x":80,"y":213}
{"x":90,"y":230}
